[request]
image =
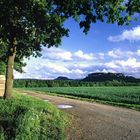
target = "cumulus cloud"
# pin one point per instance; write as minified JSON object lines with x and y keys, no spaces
{"x":64,"y":55}
{"x":62,"y":70}
{"x":82,"y":65}
{"x":56,"y":54}
{"x":83,"y":56}
{"x":111,"y":65}
{"x":114,"y":53}
{"x":129,"y":66}
{"x":131,"y":35}
{"x":130,"y":63}
{"x":118,"y":53}
{"x":58,"y":62}
{"x":138,"y":52}
{"x":51,"y":70}
{"x":55,"y":68}
{"x":79,"y":64}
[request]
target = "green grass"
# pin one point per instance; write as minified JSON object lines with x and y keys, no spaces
{"x":25,"y":118}
{"x":122,"y":96}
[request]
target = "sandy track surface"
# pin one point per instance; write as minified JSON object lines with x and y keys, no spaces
{"x":93,"y":121}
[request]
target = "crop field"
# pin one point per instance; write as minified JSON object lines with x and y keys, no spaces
{"x":128,"y":96}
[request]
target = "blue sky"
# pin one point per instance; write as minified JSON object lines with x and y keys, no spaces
{"x":106,"y":48}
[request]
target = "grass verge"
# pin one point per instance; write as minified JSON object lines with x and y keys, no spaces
{"x":26,"y":118}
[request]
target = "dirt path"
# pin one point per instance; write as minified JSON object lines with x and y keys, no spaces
{"x":94,"y":121}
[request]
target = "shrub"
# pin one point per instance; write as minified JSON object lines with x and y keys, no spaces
{"x":25,"y":118}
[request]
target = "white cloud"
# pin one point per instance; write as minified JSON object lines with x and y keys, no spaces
{"x":81,"y":55}
{"x":55,"y":68}
{"x":63,"y":70}
{"x":131,"y":62}
{"x":82,"y":65}
{"x":100,"y":56}
{"x":112,"y":65}
{"x":53,"y":64}
{"x":64,"y":55}
{"x":17,"y":75}
{"x":57,"y":54}
{"x":129,"y":66}
{"x":79,"y":64}
{"x":131,"y":35}
{"x":118,"y":53}
{"x":138,"y":52}
{"x":114,"y":53}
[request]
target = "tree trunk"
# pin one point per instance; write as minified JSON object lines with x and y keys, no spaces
{"x":9,"y":76}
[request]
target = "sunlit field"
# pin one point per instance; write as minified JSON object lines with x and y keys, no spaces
{"x":124,"y":96}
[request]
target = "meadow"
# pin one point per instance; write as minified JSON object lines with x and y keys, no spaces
{"x":127,"y":96}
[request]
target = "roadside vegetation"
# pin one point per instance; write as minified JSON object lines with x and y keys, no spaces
{"x":25,"y":118}
{"x":126,"y":96}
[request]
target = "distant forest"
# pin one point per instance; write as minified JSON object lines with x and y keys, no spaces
{"x":93,"y":79}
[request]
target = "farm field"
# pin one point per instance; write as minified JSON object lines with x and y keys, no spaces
{"x":127,"y":96}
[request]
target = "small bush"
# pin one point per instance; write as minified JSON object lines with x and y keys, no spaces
{"x":25,"y":118}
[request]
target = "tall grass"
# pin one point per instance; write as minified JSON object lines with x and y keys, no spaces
{"x":25,"y":118}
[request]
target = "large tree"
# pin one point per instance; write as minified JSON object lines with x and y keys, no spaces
{"x":26,"y":25}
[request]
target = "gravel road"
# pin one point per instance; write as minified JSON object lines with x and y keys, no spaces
{"x":93,"y":121}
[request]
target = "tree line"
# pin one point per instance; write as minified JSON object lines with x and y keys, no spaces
{"x":29,"y":83}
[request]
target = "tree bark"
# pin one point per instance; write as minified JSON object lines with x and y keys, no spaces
{"x":9,"y":75}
